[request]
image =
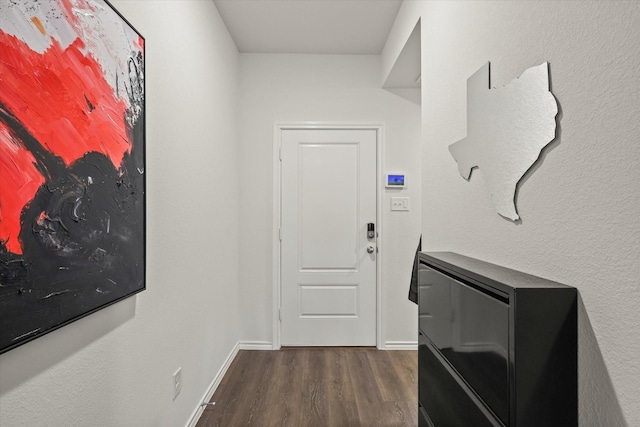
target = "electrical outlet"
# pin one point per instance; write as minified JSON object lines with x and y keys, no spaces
{"x":177,"y":382}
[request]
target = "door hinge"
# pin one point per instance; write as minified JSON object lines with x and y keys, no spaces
{"x":280,"y":314}
{"x":280,"y":154}
{"x":280,"y":234}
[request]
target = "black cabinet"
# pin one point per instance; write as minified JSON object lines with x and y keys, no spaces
{"x":496,"y":347}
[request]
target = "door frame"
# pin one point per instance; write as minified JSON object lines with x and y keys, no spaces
{"x":278,"y":127}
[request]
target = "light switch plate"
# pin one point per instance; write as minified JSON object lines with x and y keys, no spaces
{"x":399,"y":203}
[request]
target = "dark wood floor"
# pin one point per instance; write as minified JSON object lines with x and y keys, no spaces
{"x":306,"y":387}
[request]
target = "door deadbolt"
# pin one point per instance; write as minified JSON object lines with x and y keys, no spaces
{"x":371,"y":230}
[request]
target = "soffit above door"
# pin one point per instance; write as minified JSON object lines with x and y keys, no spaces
{"x":357,"y":27}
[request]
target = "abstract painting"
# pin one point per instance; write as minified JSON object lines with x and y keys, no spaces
{"x":72,"y":164}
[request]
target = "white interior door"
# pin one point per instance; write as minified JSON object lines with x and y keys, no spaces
{"x":328,"y":262}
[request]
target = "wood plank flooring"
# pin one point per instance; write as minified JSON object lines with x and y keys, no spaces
{"x":317,"y":387}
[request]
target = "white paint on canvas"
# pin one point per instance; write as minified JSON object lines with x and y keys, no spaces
{"x":507,"y":128}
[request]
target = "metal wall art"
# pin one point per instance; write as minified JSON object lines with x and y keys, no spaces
{"x":506,"y":130}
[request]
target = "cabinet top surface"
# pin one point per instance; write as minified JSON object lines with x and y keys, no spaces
{"x":502,"y":278}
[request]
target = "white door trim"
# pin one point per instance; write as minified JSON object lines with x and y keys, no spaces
{"x":278,"y":127}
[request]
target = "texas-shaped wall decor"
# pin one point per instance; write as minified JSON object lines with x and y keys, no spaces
{"x":507,"y":128}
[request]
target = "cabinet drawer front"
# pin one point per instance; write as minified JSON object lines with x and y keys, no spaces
{"x":446,"y":399}
{"x":470,"y":329}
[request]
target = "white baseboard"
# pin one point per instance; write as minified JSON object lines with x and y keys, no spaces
{"x":195,"y":416}
{"x":255,"y":345}
{"x":400,"y":345}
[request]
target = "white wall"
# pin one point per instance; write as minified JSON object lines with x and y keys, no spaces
{"x":114,"y":367}
{"x":276,"y":88}
{"x":579,"y":208}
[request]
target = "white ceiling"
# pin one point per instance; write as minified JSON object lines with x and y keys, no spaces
{"x":309,"y":26}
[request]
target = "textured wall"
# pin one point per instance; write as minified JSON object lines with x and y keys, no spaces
{"x":114,"y":367}
{"x":344,"y":88}
{"x":579,"y":207}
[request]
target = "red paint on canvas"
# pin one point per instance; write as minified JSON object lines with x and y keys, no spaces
{"x":64,"y":101}
{"x":19,"y":181}
{"x":67,"y":7}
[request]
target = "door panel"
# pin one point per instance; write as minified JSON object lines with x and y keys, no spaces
{"x":328,"y":286}
{"x":328,"y":186}
{"x":328,"y":301}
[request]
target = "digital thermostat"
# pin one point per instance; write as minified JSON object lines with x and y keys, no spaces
{"x":395,"y":180}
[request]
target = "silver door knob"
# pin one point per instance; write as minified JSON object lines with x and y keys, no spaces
{"x":370,"y":249}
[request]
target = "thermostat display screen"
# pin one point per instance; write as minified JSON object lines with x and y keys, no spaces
{"x":395,"y":180}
